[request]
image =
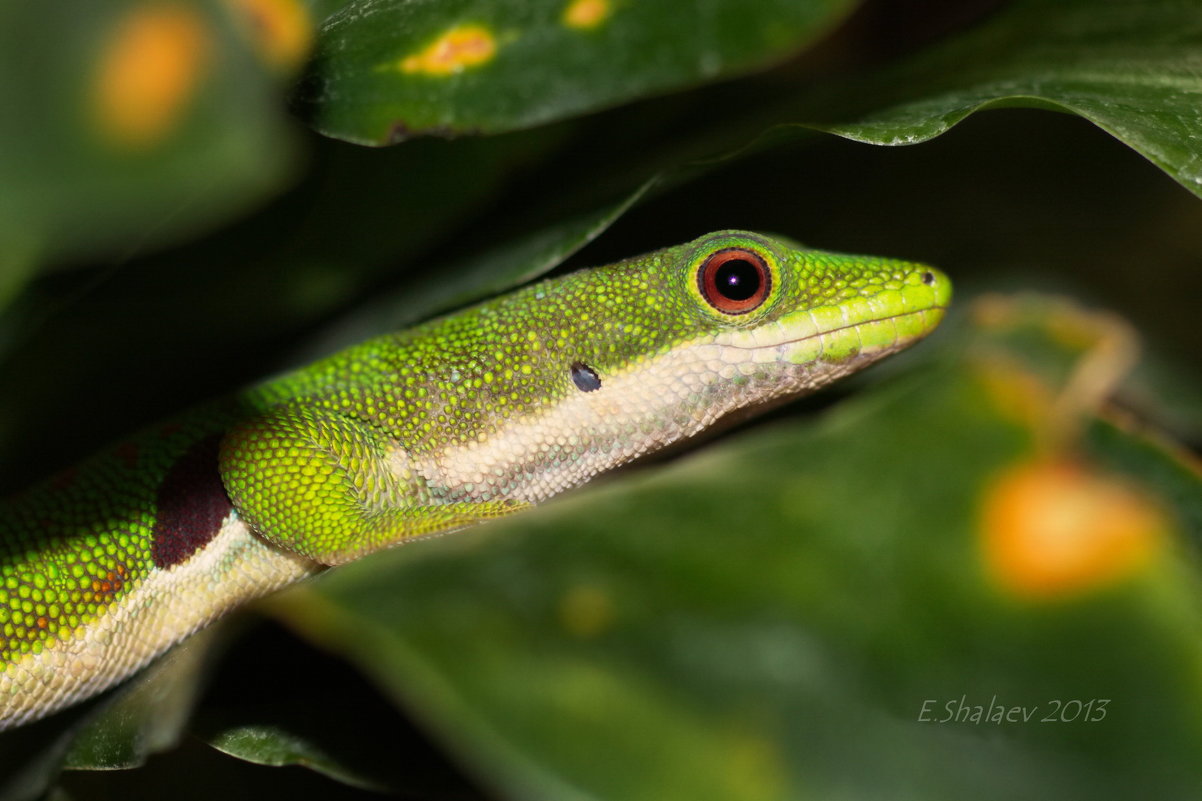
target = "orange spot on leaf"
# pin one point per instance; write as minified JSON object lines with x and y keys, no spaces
{"x":454,"y":51}
{"x":282,"y":29}
{"x":586,"y":13}
{"x":1059,"y":528}
{"x":148,"y":73}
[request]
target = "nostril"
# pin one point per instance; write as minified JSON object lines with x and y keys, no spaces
{"x":928,"y":278}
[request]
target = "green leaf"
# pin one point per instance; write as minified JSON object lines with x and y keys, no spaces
{"x":1128,"y":66}
{"x":388,"y":70}
{"x":274,"y":745}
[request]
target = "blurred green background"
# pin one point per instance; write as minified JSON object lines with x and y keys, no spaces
{"x":194,"y":195}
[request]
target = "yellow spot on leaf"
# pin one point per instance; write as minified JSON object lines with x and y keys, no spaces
{"x":586,"y":13}
{"x":1057,"y":528}
{"x":1017,"y":394}
{"x":454,"y":51}
{"x":586,"y":611}
{"x":148,"y":73}
{"x":281,"y":29}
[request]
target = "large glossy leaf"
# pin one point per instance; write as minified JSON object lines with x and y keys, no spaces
{"x":388,"y":70}
{"x":1129,"y":66}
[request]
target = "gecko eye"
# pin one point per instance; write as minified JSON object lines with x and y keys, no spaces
{"x":734,"y":280}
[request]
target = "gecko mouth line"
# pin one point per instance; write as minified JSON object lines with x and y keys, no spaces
{"x":837,"y":329}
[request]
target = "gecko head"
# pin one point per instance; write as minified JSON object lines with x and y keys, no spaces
{"x":583,"y":372}
{"x":730,"y":320}
{"x":765,"y":300}
{"x":733,"y":320}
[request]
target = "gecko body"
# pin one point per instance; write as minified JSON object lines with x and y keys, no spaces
{"x":463,"y":419}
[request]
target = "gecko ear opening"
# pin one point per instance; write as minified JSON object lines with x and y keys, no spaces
{"x":734,"y":280}
{"x":584,"y":377}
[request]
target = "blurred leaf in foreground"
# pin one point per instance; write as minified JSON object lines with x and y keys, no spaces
{"x":140,"y":121}
{"x":823,"y":608}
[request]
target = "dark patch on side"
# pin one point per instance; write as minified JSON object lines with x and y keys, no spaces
{"x":191,"y":505}
{"x":584,"y":377}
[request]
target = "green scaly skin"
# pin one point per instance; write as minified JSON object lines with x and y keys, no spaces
{"x":466,"y":418}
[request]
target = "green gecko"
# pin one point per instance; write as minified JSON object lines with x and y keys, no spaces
{"x":460,"y":420}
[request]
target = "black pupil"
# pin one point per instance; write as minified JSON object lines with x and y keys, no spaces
{"x":737,"y":279}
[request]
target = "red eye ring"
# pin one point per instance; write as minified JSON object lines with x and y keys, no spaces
{"x":734,"y":280}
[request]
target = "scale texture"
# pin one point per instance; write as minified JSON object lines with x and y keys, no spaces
{"x":463,"y":419}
